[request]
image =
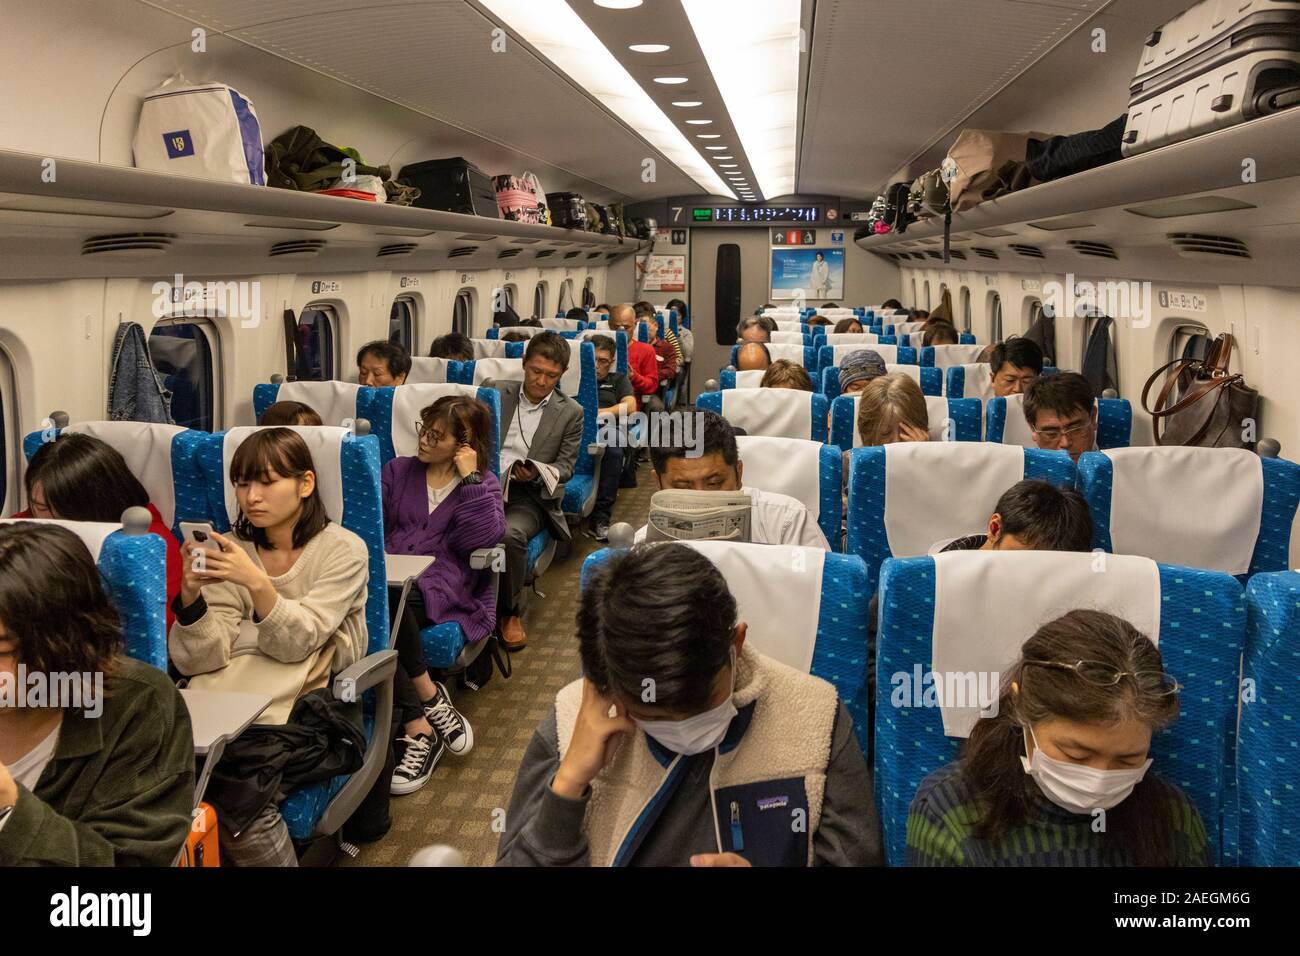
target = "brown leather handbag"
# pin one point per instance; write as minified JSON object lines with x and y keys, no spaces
{"x":1202,"y":403}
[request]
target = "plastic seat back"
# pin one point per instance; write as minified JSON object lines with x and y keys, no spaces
{"x":808,"y":471}
{"x":950,"y":419}
{"x":774,"y":412}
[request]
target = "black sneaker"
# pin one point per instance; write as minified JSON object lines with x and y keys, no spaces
{"x":450,"y":723}
{"x":416,"y":758}
{"x":602,"y":530}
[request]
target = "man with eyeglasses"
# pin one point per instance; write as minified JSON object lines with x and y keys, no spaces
{"x":540,"y":426}
{"x":616,"y":395}
{"x":1062,"y":414}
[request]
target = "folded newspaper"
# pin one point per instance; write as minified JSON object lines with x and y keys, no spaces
{"x":699,"y":515}
{"x":548,"y":474}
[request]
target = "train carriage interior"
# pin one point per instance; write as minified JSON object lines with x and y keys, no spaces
{"x":649,"y":433}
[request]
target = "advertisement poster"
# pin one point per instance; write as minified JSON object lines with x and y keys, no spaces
{"x":666,"y":274}
{"x":810,"y":273}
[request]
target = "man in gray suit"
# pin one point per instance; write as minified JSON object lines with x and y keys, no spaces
{"x":542,"y":425}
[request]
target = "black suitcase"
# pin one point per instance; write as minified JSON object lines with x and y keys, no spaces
{"x":1215,"y":65}
{"x":568,"y":210}
{"x":453,"y":185}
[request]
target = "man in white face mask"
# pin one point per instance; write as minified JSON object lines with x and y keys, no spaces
{"x":737,"y":760}
{"x":1059,"y":777}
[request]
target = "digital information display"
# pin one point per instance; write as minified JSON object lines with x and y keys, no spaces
{"x":756,"y":214}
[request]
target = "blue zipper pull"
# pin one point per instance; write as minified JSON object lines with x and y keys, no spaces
{"x":737,"y":836}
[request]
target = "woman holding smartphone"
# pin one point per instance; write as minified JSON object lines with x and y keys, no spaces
{"x":295,"y":580}
{"x":446,"y":503}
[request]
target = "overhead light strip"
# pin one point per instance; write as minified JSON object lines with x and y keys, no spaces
{"x":558,"y":33}
{"x":753,"y":49}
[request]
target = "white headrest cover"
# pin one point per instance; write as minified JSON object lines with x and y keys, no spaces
{"x":1016,"y":431}
{"x":527,"y":331}
{"x":889,"y":353}
{"x":914,"y":340}
{"x":787,"y":338}
{"x":750,"y":379}
{"x":778,"y":591}
{"x":789,"y":326}
{"x":409,"y":401}
{"x":977,"y":383}
{"x":938,"y":490}
{"x":561,"y":325}
{"x":92,"y":533}
{"x":911,"y":371}
{"x":425,"y":371}
{"x":786,"y":350}
{"x":335,"y":402}
{"x":1198,"y":507}
{"x":947,"y":356}
{"x":498,"y":369}
{"x":601,"y":327}
{"x":987,"y":604}
{"x":147,"y":449}
{"x":774,"y":412}
{"x":904,"y":328}
{"x":863,"y":340}
{"x":786,"y":466}
{"x":489,"y":348}
{"x":325,"y":442}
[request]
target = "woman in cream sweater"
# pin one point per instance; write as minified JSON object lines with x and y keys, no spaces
{"x":278,"y":609}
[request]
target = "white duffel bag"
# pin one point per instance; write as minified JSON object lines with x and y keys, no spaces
{"x":205,"y":130}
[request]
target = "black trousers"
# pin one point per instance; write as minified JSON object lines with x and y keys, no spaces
{"x":407,"y":705}
{"x":525,"y":519}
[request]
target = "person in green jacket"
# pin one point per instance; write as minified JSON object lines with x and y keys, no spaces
{"x":96,"y":770}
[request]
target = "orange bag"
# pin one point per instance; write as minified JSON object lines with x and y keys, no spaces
{"x":201,"y":844}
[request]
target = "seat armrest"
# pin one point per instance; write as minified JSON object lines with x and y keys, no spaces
{"x":371,"y":670}
{"x":480,"y":559}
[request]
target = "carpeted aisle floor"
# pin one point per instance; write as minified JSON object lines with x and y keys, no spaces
{"x":466,"y":794}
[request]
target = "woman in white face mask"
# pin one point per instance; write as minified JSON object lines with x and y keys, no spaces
{"x":1061,"y":776}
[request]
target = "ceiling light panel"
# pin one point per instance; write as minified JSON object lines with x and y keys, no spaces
{"x":553,"y":29}
{"x":752,"y":48}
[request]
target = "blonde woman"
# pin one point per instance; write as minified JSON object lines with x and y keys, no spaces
{"x":892,"y":409}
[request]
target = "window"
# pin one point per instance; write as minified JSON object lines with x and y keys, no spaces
{"x":182,"y":353}
{"x":915,"y":301}
{"x":965,"y":310}
{"x":927,"y":295}
{"x":317,"y":327}
{"x":462,"y":313}
{"x":539,"y":301}
{"x":566,"y":296}
{"x":588,"y":294}
{"x":1189,"y":342}
{"x":995,"y":317}
{"x":401,"y":323}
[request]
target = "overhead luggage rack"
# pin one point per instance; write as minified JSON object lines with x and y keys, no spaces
{"x":1233,"y":181}
{"x":84,"y":198}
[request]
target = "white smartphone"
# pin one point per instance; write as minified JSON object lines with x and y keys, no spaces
{"x":199,"y":533}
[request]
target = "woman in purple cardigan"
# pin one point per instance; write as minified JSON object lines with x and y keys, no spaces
{"x":445,"y":502}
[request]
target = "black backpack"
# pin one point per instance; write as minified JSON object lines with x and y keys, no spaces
{"x":896,"y":214}
{"x":479,"y":671}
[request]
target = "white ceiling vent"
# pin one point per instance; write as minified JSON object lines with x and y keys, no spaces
{"x":297,"y":249}
{"x":462,"y":251}
{"x":1195,"y":245}
{"x":396,"y":249}
{"x":984,"y":253}
{"x":1098,"y":250}
{"x":128,"y":244}
{"x":1029,"y":252}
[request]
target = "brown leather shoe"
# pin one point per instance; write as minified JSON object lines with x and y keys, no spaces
{"x":512,"y":634}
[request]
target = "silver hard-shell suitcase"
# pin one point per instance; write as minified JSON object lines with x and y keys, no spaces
{"x":1217,"y":64}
